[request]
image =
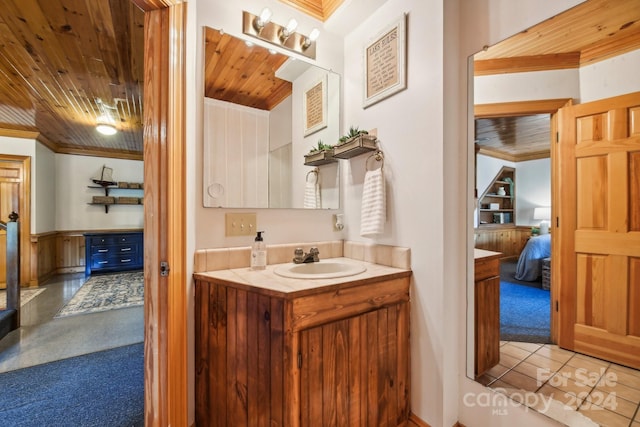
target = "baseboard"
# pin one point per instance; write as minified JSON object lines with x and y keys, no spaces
{"x":65,"y":270}
{"x":414,"y":421}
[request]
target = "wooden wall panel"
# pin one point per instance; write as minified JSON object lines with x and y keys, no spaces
{"x":70,"y":253}
{"x":592,"y":183}
{"x":43,"y":258}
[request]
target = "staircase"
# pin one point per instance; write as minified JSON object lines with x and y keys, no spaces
{"x":10,"y":317}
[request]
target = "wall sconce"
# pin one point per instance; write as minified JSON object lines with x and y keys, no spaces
{"x":262,"y":28}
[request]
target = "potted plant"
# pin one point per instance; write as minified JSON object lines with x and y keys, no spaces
{"x":354,"y":143}
{"x":319,"y":155}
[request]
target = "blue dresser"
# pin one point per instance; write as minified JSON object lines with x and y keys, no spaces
{"x":117,"y":251}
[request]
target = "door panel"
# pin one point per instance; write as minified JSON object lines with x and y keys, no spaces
{"x":11,"y":186}
{"x":599,"y":217}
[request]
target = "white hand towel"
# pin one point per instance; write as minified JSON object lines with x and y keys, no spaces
{"x":374,"y":204}
{"x":312,"y":192}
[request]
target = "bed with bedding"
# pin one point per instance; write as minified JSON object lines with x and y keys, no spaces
{"x":529,"y":267}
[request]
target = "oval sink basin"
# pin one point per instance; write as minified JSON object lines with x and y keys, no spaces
{"x":319,"y":270}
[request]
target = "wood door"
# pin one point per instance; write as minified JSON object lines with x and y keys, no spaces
{"x":14,"y":196}
{"x":598,"y":259}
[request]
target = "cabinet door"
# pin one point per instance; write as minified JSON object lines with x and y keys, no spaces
{"x":239,"y":354}
{"x":70,"y":251}
{"x":355,"y":372}
{"x":487,"y":321}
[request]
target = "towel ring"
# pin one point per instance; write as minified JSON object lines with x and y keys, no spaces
{"x":379,"y":156}
{"x":314,"y":171}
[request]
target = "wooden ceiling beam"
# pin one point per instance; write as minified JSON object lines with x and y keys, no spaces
{"x":499,"y":154}
{"x":613,"y":46}
{"x":521,"y":64}
{"x":519,"y":108}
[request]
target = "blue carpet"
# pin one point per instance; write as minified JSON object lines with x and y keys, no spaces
{"x":103,"y":389}
{"x":524,"y":313}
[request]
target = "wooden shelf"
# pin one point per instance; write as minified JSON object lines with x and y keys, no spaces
{"x":107,"y":189}
{"x":504,"y":210}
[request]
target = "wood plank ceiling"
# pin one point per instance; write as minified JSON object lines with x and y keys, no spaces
{"x":591,"y":31}
{"x":242,"y":74}
{"x":63,"y":64}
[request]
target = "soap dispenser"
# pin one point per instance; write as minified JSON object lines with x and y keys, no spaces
{"x":259,"y":253}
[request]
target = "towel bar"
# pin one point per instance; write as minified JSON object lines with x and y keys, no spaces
{"x":379,"y":156}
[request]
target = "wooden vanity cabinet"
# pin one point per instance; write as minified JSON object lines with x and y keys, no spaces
{"x":487,"y":310}
{"x":335,"y":356}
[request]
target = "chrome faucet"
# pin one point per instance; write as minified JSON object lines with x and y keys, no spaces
{"x":299,"y":257}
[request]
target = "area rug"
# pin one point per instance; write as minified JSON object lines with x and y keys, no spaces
{"x":26,"y":295}
{"x":524,"y":313}
{"x":106,"y":292}
{"x":98,"y":389}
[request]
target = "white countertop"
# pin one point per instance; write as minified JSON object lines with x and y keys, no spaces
{"x":272,"y":283}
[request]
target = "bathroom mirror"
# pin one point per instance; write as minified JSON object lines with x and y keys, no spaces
{"x":513,"y":74}
{"x":263,"y":111}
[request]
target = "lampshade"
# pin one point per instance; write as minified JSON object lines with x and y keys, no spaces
{"x":542,"y":213}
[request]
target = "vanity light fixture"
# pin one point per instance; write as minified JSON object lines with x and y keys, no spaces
{"x":261,"y":27}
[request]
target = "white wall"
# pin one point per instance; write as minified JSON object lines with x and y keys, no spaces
{"x":73,"y":176}
{"x":44,"y":190}
{"x":527,"y":86}
{"x":612,"y":77}
{"x":533,"y":189}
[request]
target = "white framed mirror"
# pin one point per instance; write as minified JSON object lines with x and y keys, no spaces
{"x":256,"y":127}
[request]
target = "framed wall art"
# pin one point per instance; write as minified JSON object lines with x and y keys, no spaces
{"x":315,"y":107}
{"x":385,"y":63}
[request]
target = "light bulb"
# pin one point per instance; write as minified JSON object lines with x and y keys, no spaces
{"x":291,"y":26}
{"x":264,"y":18}
{"x":106,"y":129}
{"x":315,"y":33}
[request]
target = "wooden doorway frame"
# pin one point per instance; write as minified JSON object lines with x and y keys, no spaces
{"x":165,"y":309}
{"x":526,"y":108}
{"x":24,"y":220}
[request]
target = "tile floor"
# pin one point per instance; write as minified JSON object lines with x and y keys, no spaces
{"x":42,"y":339}
{"x":607,"y":393}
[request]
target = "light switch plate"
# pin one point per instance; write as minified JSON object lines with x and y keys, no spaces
{"x":240,"y":224}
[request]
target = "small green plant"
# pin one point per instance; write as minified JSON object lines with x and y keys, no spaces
{"x":320,"y":147}
{"x":353,"y":132}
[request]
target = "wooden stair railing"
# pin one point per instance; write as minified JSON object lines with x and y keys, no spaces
{"x":13,"y":267}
